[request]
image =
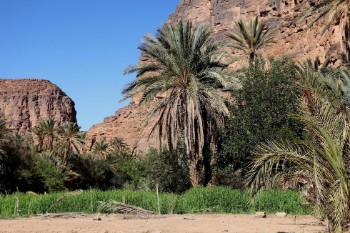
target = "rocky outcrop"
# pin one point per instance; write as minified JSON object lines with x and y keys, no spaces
{"x":292,"y":39}
{"x":26,"y":102}
{"x":126,"y":124}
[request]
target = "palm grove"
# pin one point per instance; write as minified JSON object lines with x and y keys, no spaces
{"x":272,"y":124}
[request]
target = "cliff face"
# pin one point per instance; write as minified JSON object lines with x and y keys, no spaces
{"x":292,"y":40}
{"x":26,"y":102}
{"x":126,"y":124}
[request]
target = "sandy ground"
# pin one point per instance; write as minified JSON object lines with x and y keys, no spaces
{"x":162,"y":224}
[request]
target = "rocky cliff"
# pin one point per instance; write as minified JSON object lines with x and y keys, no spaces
{"x":26,"y":102}
{"x":292,"y":39}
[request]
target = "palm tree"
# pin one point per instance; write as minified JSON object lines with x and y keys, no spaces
{"x":184,"y":64}
{"x":38,"y":136}
{"x":4,"y":131}
{"x":17,"y":139}
{"x":100,"y":149}
{"x":335,"y":11}
{"x":46,"y":132}
{"x":251,"y":37}
{"x":118,"y":147}
{"x":3,"y":128}
{"x":71,"y":139}
{"x":323,"y":156}
{"x":331,"y":83}
{"x":319,"y":161}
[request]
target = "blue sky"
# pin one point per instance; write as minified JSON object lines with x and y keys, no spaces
{"x":83,"y":46}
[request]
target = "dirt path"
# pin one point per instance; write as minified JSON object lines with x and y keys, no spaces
{"x":163,"y":224}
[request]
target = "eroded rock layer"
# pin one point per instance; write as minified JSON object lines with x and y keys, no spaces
{"x":292,"y":39}
{"x":26,"y":102}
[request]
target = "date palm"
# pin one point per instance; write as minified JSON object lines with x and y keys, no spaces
{"x":100,"y":149}
{"x":319,"y":161}
{"x":46,"y":132}
{"x":71,"y":139}
{"x":332,"y":83}
{"x":3,"y":136}
{"x":118,"y":147}
{"x":184,"y":64}
{"x":334,"y":10}
{"x":251,"y":37}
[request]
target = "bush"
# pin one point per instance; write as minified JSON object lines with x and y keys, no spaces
{"x":43,"y":176}
{"x":88,"y":172}
{"x":169,"y":170}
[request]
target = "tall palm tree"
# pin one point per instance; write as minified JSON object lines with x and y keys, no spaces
{"x":251,"y":37}
{"x":100,"y":149}
{"x":118,"y":147}
{"x":184,"y":64}
{"x":46,"y":132}
{"x":71,"y":139}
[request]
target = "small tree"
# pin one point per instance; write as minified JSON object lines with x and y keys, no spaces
{"x":71,"y":140}
{"x":251,"y":37}
{"x":118,"y":147}
{"x":46,"y":133}
{"x":100,"y":149}
{"x":169,"y":169}
{"x":261,"y":112}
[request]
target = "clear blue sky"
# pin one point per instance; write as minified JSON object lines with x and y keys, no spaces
{"x":83,"y":46}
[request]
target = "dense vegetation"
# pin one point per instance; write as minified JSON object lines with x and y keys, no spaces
{"x":260,"y":113}
{"x":272,"y":124}
{"x":198,"y":200}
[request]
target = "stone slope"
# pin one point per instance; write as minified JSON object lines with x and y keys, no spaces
{"x":292,"y":40}
{"x":26,"y":102}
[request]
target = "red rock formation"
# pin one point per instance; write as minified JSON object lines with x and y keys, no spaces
{"x":292,"y":40}
{"x":26,"y":102}
{"x":126,"y":124}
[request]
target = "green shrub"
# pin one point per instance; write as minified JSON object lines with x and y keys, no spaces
{"x":261,"y":112}
{"x":43,"y":176}
{"x":169,"y":170}
{"x":92,"y":173}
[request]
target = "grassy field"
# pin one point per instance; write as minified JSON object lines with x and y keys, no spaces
{"x":198,"y":200}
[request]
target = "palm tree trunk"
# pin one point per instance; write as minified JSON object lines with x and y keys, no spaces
{"x":195,"y":174}
{"x":251,"y":57}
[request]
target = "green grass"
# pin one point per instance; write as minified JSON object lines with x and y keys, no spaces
{"x":197,"y":200}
